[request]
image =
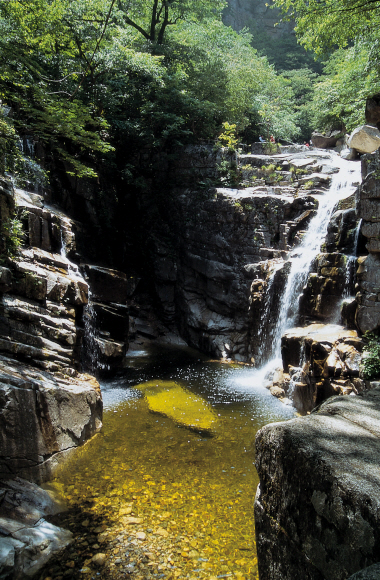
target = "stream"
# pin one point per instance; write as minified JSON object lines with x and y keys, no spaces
{"x":159,"y":499}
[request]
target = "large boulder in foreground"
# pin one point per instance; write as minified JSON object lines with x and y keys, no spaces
{"x":365,"y":139}
{"x":317,"y":508}
{"x":43,"y":417}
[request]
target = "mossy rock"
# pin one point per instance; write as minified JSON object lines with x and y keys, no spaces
{"x":170,"y":399}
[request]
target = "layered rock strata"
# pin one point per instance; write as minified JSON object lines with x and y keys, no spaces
{"x":317,"y":506}
{"x":48,"y":407}
{"x":320,"y":361}
{"x":368,"y":208}
{"x":212,"y":279}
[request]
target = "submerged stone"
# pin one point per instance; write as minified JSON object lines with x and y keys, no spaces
{"x":170,"y":399}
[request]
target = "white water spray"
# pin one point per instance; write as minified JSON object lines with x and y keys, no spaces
{"x":343,"y":185}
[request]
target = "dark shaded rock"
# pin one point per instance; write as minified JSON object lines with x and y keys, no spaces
{"x":112,"y":319}
{"x":317,"y":510}
{"x":322,"y":295}
{"x":370,"y":573}
{"x":368,"y":275}
{"x":110,"y":285}
{"x":372,"y":110}
{"x":341,"y":232}
{"x":324,"y":141}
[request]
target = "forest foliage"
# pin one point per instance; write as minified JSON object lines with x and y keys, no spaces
{"x":343,"y":34}
{"x":94,"y":79}
{"x":91,"y":77}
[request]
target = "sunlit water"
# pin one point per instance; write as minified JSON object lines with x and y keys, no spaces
{"x":199,"y":488}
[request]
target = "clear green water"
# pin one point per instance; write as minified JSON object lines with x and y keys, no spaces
{"x":198,"y":488}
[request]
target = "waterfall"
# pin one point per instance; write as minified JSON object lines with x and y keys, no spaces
{"x":72,"y":269}
{"x":91,"y":351}
{"x":349,"y":282}
{"x":349,"y":278}
{"x":343,"y":184}
{"x":266,"y":330}
{"x":356,"y":240}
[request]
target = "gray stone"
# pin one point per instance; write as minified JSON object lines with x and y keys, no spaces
{"x":8,"y":549}
{"x":42,"y":415}
{"x":365,"y":139}
{"x":27,"y":541}
{"x":349,"y":154}
{"x":317,"y":508}
{"x":41,"y":542}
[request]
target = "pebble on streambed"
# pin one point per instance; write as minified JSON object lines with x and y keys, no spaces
{"x":124,"y":551}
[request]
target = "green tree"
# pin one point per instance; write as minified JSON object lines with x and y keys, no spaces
{"x":303,"y":82}
{"x":151,"y":18}
{"x":326,"y":24}
{"x":341,"y":92}
{"x":47,"y":48}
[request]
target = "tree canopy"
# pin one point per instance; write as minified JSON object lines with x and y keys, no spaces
{"x":344,"y":33}
{"x":85,"y":76}
{"x":326,"y":24}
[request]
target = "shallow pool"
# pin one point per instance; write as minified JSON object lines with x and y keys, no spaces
{"x":182,"y":494}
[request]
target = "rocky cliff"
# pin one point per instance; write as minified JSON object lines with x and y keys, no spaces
{"x":224,"y":251}
{"x":47,"y":405}
{"x":255,"y":14}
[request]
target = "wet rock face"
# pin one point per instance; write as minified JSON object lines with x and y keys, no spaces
{"x":225,"y":240}
{"x":220,"y":255}
{"x":323,"y":293}
{"x":107,"y":319}
{"x":327,"y":360}
{"x":368,"y":209}
{"x":317,"y":506}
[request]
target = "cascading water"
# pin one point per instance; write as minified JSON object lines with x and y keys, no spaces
{"x":349,"y":282}
{"x":343,"y":185}
{"x":91,"y":345}
{"x":266,"y":331}
{"x":90,"y":351}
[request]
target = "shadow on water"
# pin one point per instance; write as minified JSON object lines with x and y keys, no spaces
{"x":192,"y":494}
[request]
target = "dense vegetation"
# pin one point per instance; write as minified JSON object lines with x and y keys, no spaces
{"x":344,"y":36}
{"x":86,"y":77}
